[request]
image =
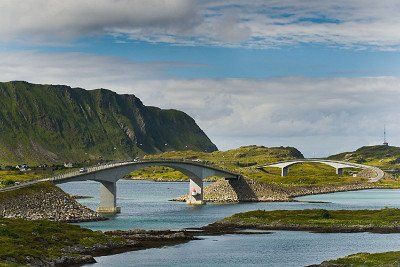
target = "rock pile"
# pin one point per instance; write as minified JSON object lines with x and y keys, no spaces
{"x":44,"y":201}
{"x":248,"y":190}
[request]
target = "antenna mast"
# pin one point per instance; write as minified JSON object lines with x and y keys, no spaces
{"x":385,"y":143}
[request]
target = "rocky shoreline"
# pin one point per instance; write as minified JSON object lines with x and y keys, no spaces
{"x":123,"y":241}
{"x":312,"y":220}
{"x":237,"y":227}
{"x":136,"y":239}
{"x":44,"y":201}
{"x":130,"y":240}
{"x":248,"y":190}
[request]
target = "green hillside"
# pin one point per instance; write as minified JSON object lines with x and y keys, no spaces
{"x":246,"y":159}
{"x":57,"y":123}
{"x":380,"y":155}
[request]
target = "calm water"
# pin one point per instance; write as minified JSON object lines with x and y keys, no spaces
{"x":145,"y":205}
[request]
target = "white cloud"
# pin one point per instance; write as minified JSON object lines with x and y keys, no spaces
{"x":321,"y":115}
{"x":257,"y":24}
{"x":50,"y":20}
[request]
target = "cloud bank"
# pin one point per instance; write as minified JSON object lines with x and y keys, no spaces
{"x":238,"y":23}
{"x":324,"y":115}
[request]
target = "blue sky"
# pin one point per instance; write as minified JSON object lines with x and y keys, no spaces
{"x":308,"y":60}
{"x":319,"y":75}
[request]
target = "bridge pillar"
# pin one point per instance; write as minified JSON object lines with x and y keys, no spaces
{"x":285,"y":171}
{"x":195,"y":196}
{"x":339,"y":171}
{"x":108,"y":198}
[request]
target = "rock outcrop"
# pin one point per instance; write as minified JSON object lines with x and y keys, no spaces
{"x":44,"y":201}
{"x":249,"y":190}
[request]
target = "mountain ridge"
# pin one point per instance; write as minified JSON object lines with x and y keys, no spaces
{"x":56,"y":123}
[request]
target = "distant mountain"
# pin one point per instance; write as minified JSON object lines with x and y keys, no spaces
{"x":379,"y":155}
{"x":57,"y":123}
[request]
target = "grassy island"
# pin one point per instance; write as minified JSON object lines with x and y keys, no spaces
{"x":47,"y":243}
{"x":318,"y":220}
{"x":391,"y":258}
{"x":24,"y":242}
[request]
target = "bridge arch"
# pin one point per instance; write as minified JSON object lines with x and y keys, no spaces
{"x":338,"y":165}
{"x":108,"y":175}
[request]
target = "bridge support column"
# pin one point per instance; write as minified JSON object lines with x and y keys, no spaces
{"x":108,"y":199}
{"x":339,"y":171}
{"x":195,"y":196}
{"x":285,"y":171}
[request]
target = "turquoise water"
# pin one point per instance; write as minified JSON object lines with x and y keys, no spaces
{"x":145,"y":205}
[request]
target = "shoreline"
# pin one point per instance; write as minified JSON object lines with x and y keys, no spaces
{"x":135,"y":240}
{"x":215,"y":227}
{"x":383,"y":221}
{"x":288,"y":194}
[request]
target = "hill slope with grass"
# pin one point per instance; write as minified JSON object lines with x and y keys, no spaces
{"x":263,"y":184}
{"x":380,"y":156}
{"x":246,"y":159}
{"x":57,"y":123}
{"x":235,"y":160}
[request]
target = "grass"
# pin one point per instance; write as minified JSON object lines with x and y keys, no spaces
{"x":310,"y":174}
{"x":43,"y":239}
{"x":10,"y":177}
{"x":386,"y":157}
{"x":159,"y":173}
{"x":244,"y":160}
{"x":319,"y":219}
{"x":236,"y":159}
{"x":391,"y":258}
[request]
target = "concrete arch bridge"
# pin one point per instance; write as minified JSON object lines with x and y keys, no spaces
{"x":108,"y":175}
{"x":338,"y":165}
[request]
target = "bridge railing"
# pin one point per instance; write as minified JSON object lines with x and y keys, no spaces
{"x":191,"y":161}
{"x":112,"y":165}
{"x":96,"y":168}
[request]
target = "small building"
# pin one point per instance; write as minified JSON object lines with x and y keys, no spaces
{"x":23,"y":167}
{"x":68,"y":165}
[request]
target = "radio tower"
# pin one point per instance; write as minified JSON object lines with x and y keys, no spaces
{"x":385,"y":143}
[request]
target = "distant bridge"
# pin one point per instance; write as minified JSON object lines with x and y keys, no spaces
{"x":338,"y":165}
{"x":109,"y":174}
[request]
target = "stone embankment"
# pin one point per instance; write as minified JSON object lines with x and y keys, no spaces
{"x":248,"y":190}
{"x":44,"y":201}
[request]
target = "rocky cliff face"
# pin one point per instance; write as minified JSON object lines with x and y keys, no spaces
{"x":56,"y":123}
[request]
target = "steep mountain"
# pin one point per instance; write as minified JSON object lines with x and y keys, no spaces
{"x":380,"y":155}
{"x":57,"y":123}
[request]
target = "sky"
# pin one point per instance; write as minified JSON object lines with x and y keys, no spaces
{"x":322,"y":76}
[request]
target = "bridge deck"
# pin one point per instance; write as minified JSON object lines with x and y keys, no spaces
{"x":334,"y":163}
{"x":95,"y":169}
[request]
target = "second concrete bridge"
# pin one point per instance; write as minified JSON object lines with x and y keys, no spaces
{"x":338,"y":165}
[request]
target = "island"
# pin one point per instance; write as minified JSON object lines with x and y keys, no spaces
{"x":49,"y":243}
{"x":391,"y":258}
{"x":314,"y":220}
